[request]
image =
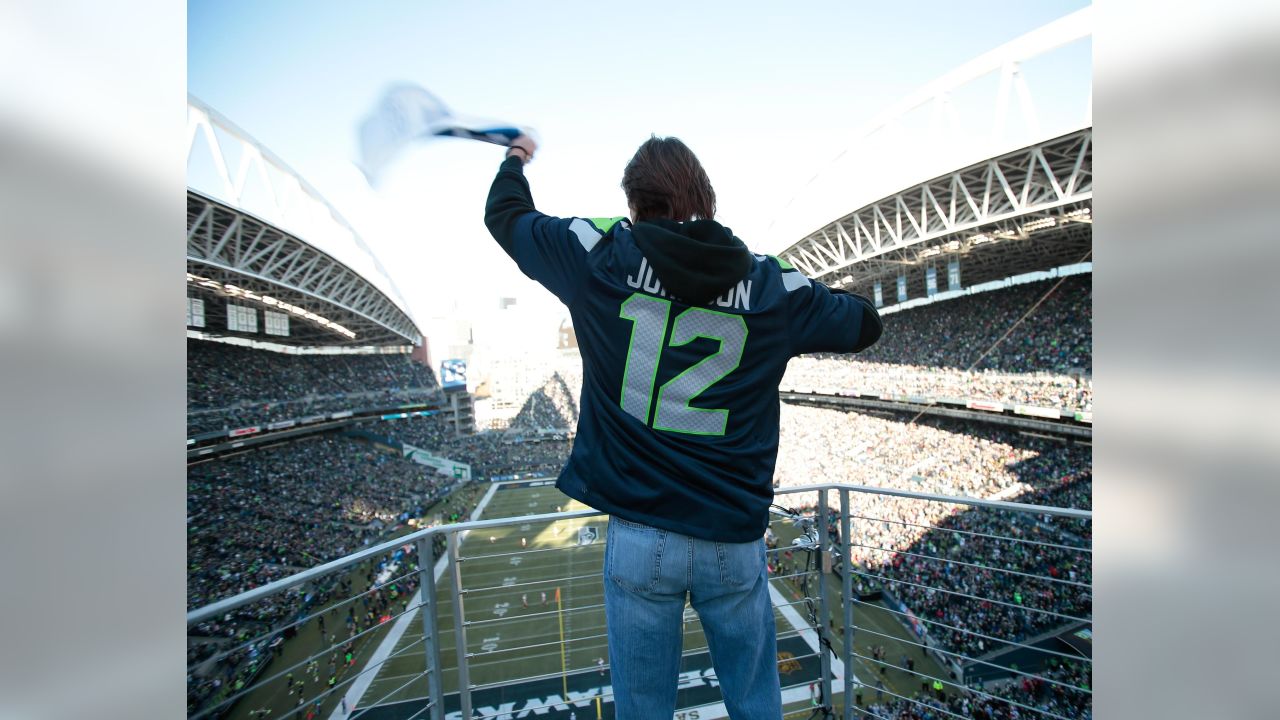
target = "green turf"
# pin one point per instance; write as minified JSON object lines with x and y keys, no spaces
{"x":507,"y":642}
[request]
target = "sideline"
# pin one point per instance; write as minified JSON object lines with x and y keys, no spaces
{"x":355,"y":693}
{"x":807,"y":634}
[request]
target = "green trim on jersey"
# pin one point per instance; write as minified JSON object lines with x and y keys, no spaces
{"x":782,"y":263}
{"x":605,"y":224}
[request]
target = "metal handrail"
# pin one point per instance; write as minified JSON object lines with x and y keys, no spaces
{"x":220,"y":607}
{"x":823,"y":547}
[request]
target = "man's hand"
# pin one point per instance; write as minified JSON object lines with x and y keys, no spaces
{"x":522,"y":147}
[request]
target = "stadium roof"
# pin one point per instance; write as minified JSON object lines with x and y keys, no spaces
{"x":259,"y":233}
{"x":990,"y":163}
{"x":235,"y":256}
{"x":1024,"y":211}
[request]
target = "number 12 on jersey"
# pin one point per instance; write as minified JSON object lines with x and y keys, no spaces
{"x":649,"y":317}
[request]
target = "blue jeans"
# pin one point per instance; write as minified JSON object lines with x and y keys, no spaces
{"x":647,"y":574}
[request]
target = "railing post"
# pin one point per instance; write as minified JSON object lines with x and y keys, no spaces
{"x":824,"y":541}
{"x":430,"y":627}
{"x":846,"y":590}
{"x":459,"y":624}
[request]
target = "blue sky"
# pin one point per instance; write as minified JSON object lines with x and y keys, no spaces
{"x":765,"y":93}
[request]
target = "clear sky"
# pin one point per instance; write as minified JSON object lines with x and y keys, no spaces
{"x":765,"y":93}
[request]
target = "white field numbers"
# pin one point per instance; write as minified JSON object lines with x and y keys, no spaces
{"x":649,"y":317}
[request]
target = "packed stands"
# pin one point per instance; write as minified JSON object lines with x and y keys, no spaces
{"x":231,"y":386}
{"x":255,"y":517}
{"x":1056,"y":337}
{"x":1062,"y":690}
{"x":930,"y":455}
{"x":953,"y":349}
{"x":910,"y":547}
{"x":490,"y":453}
{"x":845,"y":376}
{"x":261,"y":516}
{"x":553,"y":407}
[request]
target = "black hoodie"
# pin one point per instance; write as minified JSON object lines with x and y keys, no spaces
{"x":696,"y":261}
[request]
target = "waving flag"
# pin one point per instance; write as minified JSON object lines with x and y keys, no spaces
{"x":407,"y":113}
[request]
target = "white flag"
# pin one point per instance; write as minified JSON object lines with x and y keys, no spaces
{"x":407,"y":113}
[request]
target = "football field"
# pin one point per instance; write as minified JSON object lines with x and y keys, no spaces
{"x":529,"y":654}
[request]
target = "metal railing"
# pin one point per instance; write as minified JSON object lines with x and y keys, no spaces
{"x":886,"y":600}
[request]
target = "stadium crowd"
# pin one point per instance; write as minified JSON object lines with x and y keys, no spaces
{"x":1030,"y":574}
{"x":839,"y":376}
{"x":964,"y":332}
{"x":261,"y":516}
{"x":986,"y":574}
{"x":489,"y":453}
{"x":554,"y":405}
{"x":954,"y":349}
{"x":930,"y":455}
{"x":1068,"y":693}
{"x":254,"y":517}
{"x":230,"y":386}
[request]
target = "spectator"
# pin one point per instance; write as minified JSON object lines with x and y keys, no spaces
{"x":230,"y":386}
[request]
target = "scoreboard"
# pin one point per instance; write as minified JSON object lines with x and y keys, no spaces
{"x":453,"y":375}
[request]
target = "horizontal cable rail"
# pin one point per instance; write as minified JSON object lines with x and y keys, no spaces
{"x":312,"y":616}
{"x":973,"y":633}
{"x":957,"y":593}
{"x":990,"y":568}
{"x":1012,"y":671}
{"x":972,"y":691}
{"x":221,"y":606}
{"x":934,"y":528}
{"x":423,"y":636}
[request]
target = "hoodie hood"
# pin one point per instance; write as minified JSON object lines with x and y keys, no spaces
{"x":696,"y":261}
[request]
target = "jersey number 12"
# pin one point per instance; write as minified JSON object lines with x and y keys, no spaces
{"x":649,"y":317}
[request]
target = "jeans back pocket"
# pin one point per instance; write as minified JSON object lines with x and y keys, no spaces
{"x":633,"y":555}
{"x":740,"y":563}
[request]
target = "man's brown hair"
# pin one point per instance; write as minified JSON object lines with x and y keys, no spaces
{"x":664,"y":180}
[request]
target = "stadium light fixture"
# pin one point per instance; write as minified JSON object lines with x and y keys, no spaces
{"x":228,"y":290}
{"x":1082,"y":215}
{"x":1039,"y":224}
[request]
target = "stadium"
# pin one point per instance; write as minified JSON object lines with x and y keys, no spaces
{"x":362,"y":543}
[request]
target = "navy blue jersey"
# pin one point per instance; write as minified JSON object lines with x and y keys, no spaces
{"x":678,"y":423}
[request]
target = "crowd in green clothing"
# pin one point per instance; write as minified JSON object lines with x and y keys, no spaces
{"x":228,"y":651}
{"x":1063,"y":689}
{"x":961,"y":332}
{"x":231,"y":386}
{"x":846,"y":375}
{"x":259,"y":516}
{"x":1002,"y":575}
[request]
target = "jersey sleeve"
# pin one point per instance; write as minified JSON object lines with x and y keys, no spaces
{"x":554,"y":251}
{"x":551,"y":250}
{"x":825,"y":320}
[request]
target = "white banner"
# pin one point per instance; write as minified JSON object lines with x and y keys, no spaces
{"x":443,"y":465}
